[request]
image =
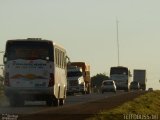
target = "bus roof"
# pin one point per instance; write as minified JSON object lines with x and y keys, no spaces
{"x":36,"y":40}
{"x":29,"y":39}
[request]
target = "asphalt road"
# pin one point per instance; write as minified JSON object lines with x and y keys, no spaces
{"x":40,"y":106}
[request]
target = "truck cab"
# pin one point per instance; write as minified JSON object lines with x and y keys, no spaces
{"x":75,"y":80}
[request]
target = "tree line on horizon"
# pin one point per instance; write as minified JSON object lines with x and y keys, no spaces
{"x":97,"y":80}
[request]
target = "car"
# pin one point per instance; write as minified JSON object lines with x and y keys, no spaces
{"x":150,"y":89}
{"x":108,"y":86}
{"x":135,"y":85}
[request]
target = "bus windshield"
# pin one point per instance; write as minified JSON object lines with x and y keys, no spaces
{"x":116,"y":70}
{"x":29,"y":50}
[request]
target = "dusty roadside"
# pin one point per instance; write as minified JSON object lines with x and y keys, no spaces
{"x":84,"y":110}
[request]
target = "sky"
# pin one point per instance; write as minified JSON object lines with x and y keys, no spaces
{"x":88,"y":31}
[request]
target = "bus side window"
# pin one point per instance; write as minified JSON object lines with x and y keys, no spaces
{"x":61,"y":59}
{"x":55,"y":57}
{"x":58,"y":60}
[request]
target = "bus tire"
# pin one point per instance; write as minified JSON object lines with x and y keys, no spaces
{"x":83,"y":92}
{"x":56,"y":102}
{"x":49,"y":102}
{"x":127,"y":90}
{"x":21,"y":102}
{"x":16,"y":101}
{"x":12,"y":102}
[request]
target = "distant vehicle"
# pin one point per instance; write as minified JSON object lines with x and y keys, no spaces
{"x":35,"y":69}
{"x":78,"y":78}
{"x":75,"y":80}
{"x":108,"y":86}
{"x":140,"y":76}
{"x":122,"y":77}
{"x":135,"y":85}
{"x":150,"y":89}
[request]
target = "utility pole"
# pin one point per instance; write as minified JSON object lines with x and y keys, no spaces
{"x":117,"y":41}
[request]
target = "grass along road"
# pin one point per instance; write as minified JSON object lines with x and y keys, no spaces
{"x":146,"y":107}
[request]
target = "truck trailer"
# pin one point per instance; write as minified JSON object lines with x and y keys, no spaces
{"x":78,"y":78}
{"x":140,"y":76}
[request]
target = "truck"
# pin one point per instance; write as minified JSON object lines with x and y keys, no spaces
{"x":122,"y":77}
{"x":139,"y":75}
{"x":78,"y":78}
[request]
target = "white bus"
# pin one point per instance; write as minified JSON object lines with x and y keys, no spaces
{"x":122,"y":77}
{"x":35,"y":69}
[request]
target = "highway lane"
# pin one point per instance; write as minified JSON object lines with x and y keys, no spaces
{"x":39,"y":106}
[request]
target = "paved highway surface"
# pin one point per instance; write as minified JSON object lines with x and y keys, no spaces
{"x":40,"y":106}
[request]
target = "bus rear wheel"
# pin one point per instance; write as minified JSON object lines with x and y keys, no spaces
{"x":49,"y":102}
{"x":56,"y":102}
{"x":16,"y":101}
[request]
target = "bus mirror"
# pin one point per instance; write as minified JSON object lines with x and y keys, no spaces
{"x":4,"y":59}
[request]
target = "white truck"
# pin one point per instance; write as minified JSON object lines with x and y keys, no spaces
{"x":75,"y":80}
{"x":78,"y":78}
{"x":140,"y":76}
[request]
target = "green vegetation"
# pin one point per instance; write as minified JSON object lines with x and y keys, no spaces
{"x":144,"y":107}
{"x":97,"y":79}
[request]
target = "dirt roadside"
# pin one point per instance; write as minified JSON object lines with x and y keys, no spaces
{"x":84,"y":110}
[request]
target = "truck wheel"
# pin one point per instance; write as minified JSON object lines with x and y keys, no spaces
{"x":61,"y":101}
{"x":88,"y":91}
